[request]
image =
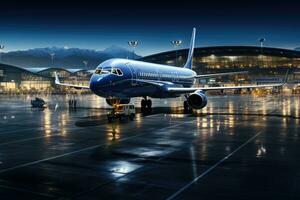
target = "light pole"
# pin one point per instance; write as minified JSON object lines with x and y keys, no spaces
{"x":262,"y":41}
{"x":1,"y":51}
{"x":133,"y":44}
{"x":85,"y":62}
{"x":52,"y":58}
{"x":176,"y":44}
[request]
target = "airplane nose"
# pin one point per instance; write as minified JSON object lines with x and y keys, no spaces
{"x":96,"y":82}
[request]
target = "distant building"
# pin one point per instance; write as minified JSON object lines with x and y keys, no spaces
{"x":260,"y":62}
{"x":14,"y":78}
{"x":265,"y":65}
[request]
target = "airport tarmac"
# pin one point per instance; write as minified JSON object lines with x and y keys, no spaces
{"x":238,"y":147}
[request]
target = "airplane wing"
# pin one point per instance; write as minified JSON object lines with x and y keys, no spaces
{"x":220,"y":74}
{"x":191,"y":90}
{"x":171,"y":88}
{"x":57,"y":82}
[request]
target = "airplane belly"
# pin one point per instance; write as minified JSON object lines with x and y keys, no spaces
{"x":139,"y":91}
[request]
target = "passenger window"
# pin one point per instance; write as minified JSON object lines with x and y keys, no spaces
{"x":98,"y":71}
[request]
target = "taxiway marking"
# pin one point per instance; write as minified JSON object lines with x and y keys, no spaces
{"x":85,"y":149}
{"x":212,"y":167}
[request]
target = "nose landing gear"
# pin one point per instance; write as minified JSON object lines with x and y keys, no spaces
{"x":146,"y":105}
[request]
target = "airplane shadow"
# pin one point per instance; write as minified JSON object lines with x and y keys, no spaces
{"x":98,"y":120}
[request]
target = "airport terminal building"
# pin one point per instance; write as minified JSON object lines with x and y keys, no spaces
{"x":23,"y":80}
{"x":265,"y":65}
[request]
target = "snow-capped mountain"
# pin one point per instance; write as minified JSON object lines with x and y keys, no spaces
{"x":64,"y":57}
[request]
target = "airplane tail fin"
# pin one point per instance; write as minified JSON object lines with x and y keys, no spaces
{"x":189,"y":62}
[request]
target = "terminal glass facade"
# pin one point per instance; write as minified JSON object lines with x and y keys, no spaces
{"x":21,"y":80}
{"x":261,"y":61}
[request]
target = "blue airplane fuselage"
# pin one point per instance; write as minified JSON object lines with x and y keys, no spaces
{"x":138,"y":79}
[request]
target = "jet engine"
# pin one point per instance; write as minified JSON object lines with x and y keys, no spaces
{"x":197,"y":100}
{"x":114,"y":101}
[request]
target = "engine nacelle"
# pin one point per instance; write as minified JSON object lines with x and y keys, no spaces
{"x":197,"y":100}
{"x":114,"y":101}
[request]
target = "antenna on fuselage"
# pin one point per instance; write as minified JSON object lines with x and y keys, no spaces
{"x":189,"y":62}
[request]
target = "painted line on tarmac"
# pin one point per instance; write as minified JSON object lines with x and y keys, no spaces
{"x":46,"y":136}
{"x":149,"y":116}
{"x":29,"y":139}
{"x":85,"y":149}
{"x":58,"y":133}
{"x":27,"y":191}
{"x":173,"y":196}
{"x":17,"y":131}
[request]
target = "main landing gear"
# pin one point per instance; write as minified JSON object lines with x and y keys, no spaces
{"x":146,"y":106}
{"x":187,"y":108}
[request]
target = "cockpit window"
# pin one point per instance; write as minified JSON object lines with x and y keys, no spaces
{"x":114,"y":71}
{"x":120,"y":72}
{"x":109,"y":70}
{"x":98,"y":71}
{"x":117,"y":71}
{"x":102,"y":71}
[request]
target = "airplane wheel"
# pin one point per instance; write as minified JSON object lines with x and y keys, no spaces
{"x":143,"y":105}
{"x":186,"y":106}
{"x":131,"y":117}
{"x":149,"y":105}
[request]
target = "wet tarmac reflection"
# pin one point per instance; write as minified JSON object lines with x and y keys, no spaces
{"x":237,"y":145}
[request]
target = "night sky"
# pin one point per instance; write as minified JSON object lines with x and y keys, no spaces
{"x":99,"y":25}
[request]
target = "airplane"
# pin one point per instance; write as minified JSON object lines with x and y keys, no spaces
{"x":119,"y":80}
